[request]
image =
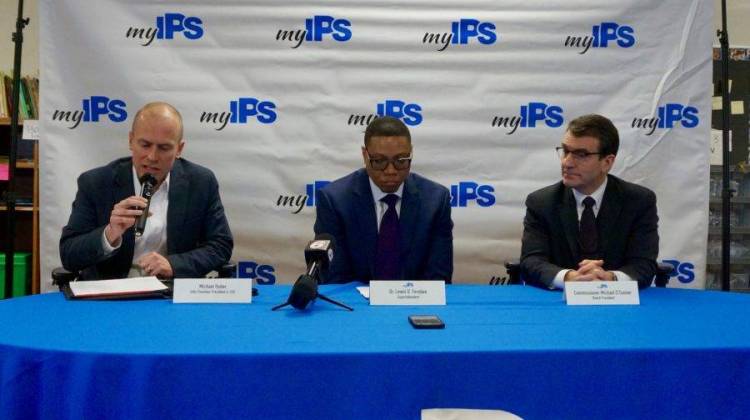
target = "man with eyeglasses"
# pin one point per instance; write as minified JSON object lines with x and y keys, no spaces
{"x":388,"y":224}
{"x":591,"y":225}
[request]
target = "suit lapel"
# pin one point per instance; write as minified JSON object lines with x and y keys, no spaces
{"x":368,"y":222}
{"x":569,"y":218}
{"x":178,"y":203}
{"x":123,"y":181}
{"x":609,"y":213}
{"x":410,"y":207}
{"x":123,"y":188}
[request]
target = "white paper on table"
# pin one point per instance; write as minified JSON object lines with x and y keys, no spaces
{"x":116,"y":287}
{"x":364,"y":291}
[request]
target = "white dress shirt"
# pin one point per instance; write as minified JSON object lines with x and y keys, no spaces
{"x":154,"y":238}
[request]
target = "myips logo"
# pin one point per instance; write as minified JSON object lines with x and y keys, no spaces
{"x":466,"y":192}
{"x":603,"y":36}
{"x":93,"y":109}
{"x":668,"y":116}
{"x":300,"y":201}
{"x":240,"y":111}
{"x":262,"y":273}
{"x":462,"y":194}
{"x":167,"y":27}
{"x":529,"y":115}
{"x":317,"y":28}
{"x":409,"y":113}
{"x":462,"y":32}
{"x":684,"y":271}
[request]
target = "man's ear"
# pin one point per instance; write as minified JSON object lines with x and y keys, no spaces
{"x":180,"y":146}
{"x":364,"y":156}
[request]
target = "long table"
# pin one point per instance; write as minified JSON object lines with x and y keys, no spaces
{"x":680,"y":354}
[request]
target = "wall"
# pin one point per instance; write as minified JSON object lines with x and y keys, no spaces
{"x":739,"y":31}
{"x":30,"y":57}
{"x":738,"y":14}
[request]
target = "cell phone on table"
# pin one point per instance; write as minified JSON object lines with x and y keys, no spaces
{"x":426,"y":322}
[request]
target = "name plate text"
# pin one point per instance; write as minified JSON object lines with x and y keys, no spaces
{"x":602,"y":293}
{"x":213,"y":291}
{"x":407,"y":292}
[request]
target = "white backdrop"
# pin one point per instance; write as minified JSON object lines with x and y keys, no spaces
{"x":649,"y":60}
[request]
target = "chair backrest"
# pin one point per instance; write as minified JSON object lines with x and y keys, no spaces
{"x":663,"y":273}
{"x":513,"y":269}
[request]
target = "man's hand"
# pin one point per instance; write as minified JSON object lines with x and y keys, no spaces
{"x":123,"y":216}
{"x":590,"y":270}
{"x":155,"y":264}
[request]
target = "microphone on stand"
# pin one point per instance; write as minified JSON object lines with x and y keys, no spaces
{"x":148,"y":183}
{"x":318,"y":255}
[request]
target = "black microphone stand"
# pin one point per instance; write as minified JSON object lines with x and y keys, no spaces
{"x":329,"y":300}
{"x":725,"y":106}
{"x":313,"y":269}
{"x":318,"y":296}
{"x":310,"y":272}
{"x":10,"y":195}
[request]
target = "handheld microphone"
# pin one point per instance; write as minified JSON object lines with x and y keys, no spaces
{"x":148,"y":183}
{"x":318,"y":255}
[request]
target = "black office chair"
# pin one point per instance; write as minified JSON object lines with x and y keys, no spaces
{"x":62,"y":277}
{"x":512,"y":269}
{"x":663,"y":271}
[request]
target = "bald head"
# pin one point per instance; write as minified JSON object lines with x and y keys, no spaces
{"x":156,"y":139}
{"x":161,"y":114}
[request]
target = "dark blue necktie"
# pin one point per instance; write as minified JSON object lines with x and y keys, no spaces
{"x":387,"y":256}
{"x":588,"y":238}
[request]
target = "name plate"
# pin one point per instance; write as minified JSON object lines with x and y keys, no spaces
{"x":213,"y":291}
{"x":407,"y":292}
{"x":602,"y":293}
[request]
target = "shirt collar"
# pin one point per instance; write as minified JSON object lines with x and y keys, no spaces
{"x":137,"y":183}
{"x":596,"y":195}
{"x":377,"y":194}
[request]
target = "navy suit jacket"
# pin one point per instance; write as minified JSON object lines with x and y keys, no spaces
{"x":346,"y":210}
{"x":626,"y":225}
{"x":198,"y":235}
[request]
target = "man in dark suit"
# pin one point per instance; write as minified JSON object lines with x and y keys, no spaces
{"x":387,"y":223}
{"x":591,"y":225}
{"x":186,"y":234}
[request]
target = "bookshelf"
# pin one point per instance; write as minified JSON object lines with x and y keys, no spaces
{"x":27,"y":187}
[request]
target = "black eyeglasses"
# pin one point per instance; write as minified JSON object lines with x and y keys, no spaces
{"x":380,"y":163}
{"x":577,"y":154}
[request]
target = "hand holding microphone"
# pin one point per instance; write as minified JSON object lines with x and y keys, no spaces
{"x":130,"y":211}
{"x":148,"y":187}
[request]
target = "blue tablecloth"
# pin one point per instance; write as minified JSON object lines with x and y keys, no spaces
{"x":680,"y":354}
